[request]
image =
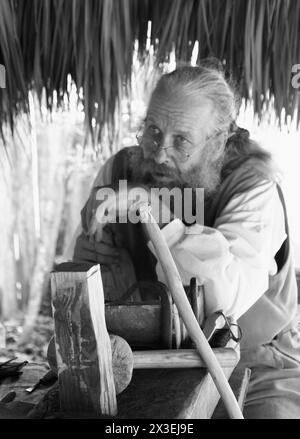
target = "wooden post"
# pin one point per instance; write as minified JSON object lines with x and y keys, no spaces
{"x":83,"y":349}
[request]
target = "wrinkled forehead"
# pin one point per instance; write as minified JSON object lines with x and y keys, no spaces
{"x":182,"y":101}
{"x":182,"y":108}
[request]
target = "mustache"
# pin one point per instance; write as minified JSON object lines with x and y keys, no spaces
{"x":149,"y":166}
{"x":205,"y":175}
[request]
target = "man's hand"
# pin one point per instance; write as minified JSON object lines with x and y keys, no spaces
{"x":115,"y":204}
{"x":109,"y":204}
{"x":102,"y":252}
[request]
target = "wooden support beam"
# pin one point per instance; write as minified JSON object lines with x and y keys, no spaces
{"x":83,"y":348}
{"x":124,"y":360}
{"x":181,"y":358}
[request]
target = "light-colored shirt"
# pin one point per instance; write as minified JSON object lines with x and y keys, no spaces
{"x":235,"y":258}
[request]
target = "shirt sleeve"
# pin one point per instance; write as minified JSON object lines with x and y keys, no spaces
{"x":103,"y":178}
{"x":235,"y":258}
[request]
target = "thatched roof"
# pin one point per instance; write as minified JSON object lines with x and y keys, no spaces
{"x":42,"y":41}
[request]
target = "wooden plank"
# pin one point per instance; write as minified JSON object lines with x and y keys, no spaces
{"x":169,"y":394}
{"x":83,"y":348}
{"x":204,"y":398}
{"x":181,"y":358}
{"x":158,"y":393}
{"x":239,"y":382}
{"x":153,"y":393}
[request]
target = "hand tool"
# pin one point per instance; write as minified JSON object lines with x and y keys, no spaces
{"x":49,"y":378}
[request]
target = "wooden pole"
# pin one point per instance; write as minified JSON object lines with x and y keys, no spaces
{"x":181,"y":358}
{"x":83,"y":348}
{"x":186,"y":313}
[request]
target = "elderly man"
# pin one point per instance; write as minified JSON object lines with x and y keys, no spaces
{"x":242,"y":255}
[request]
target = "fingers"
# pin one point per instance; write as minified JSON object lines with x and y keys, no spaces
{"x":84,"y":255}
{"x":95,"y":252}
{"x":106,"y":249}
{"x":110,"y":207}
{"x":117,"y":204}
{"x":95,"y":231}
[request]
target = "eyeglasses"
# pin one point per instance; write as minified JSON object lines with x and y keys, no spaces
{"x":150,"y":138}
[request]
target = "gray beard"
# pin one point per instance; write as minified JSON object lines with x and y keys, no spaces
{"x":206,"y":175}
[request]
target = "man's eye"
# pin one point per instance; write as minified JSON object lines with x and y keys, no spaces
{"x":180,"y":141}
{"x":153,"y":130}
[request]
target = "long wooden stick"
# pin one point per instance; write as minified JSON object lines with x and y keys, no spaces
{"x":186,"y":313}
{"x":181,"y":358}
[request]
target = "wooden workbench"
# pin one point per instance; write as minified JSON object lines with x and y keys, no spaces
{"x":152,"y":394}
{"x":169,"y":394}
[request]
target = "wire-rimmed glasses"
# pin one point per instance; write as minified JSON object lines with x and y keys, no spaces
{"x":151,"y":139}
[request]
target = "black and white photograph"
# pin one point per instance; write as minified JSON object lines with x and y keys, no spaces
{"x":150,"y":213}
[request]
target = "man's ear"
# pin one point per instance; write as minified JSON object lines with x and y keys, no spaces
{"x":219,"y":145}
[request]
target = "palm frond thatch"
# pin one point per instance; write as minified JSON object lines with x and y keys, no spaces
{"x":44,"y":41}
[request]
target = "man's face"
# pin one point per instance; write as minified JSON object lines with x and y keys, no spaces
{"x":181,"y":124}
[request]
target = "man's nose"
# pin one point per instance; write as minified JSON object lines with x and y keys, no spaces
{"x":161,"y":155}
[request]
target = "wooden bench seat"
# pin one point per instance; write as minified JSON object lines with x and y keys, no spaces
{"x":152,"y":394}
